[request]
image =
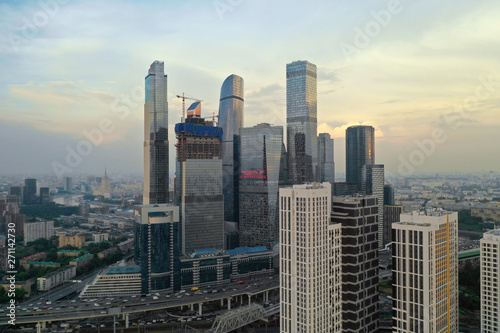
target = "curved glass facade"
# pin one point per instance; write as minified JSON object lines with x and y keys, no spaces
{"x":231,"y":121}
{"x":301,"y":121}
{"x":156,"y":136}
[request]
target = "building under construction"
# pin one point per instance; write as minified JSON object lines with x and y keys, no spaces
{"x":199,"y":182}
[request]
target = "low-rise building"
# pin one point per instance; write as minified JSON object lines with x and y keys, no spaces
{"x":107,"y":252}
{"x":127,"y":245}
{"x":76,"y":241}
{"x":34,"y":257}
{"x":103,"y":237}
{"x":115,"y":281}
{"x":30,"y":264}
{"x":24,"y":285}
{"x":71,"y":253}
{"x":56,"y":278}
{"x":82,"y":261}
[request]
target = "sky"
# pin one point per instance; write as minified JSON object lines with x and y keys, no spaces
{"x":425,"y":74}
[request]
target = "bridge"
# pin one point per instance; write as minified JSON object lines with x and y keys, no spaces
{"x":243,"y":316}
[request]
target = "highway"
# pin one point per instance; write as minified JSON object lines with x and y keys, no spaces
{"x":83,"y":309}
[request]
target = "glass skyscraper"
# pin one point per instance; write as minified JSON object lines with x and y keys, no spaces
{"x":199,"y":184}
{"x":373,"y":184}
{"x":301,"y":121}
{"x":231,"y":121}
{"x":157,"y":247}
{"x":360,"y":151}
{"x":262,"y":172}
{"x":326,"y":163}
{"x":156,"y":176}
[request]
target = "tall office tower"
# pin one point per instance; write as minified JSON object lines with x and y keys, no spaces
{"x":9,"y":214}
{"x":310,"y":261}
{"x":157,"y":246}
{"x":231,"y":121}
{"x":199,"y":184}
{"x":392,"y":215}
{"x":30,"y":191}
{"x":261,"y":175}
{"x":15,"y":195}
{"x":389,"y":195}
{"x":425,"y":272}
{"x":373,"y":184}
{"x":360,"y":150}
{"x":44,"y":195}
{"x":37,"y":230}
{"x":326,"y":163}
{"x":490,"y":282}
{"x":358,"y":217}
{"x":68,"y":184}
{"x":301,"y":121}
{"x":156,"y":136}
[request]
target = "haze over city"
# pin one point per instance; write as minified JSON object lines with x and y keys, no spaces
{"x":407,"y":68}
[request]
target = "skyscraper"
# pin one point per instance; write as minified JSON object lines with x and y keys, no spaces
{"x":261,"y":175}
{"x":326,"y":163}
{"x":490,"y":282}
{"x":156,"y":136}
{"x":425,"y":272}
{"x":199,"y":184}
{"x":310,"y":261}
{"x":301,"y":121}
{"x":231,"y":121}
{"x":157,"y":246}
{"x":30,"y":192}
{"x":360,"y":296}
{"x":373,"y":184}
{"x":68,"y":184}
{"x":360,"y":151}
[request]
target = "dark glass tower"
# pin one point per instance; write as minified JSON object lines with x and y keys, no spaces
{"x":301,"y":121}
{"x":199,"y":184}
{"x":262,"y":173}
{"x":30,"y":192}
{"x":157,"y":247}
{"x":156,"y":136}
{"x":360,"y":150}
{"x":231,"y":121}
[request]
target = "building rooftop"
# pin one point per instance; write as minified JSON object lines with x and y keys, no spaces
{"x":124,"y":270}
{"x":469,"y":254}
{"x":243,"y":250}
{"x":45,"y":263}
{"x":82,"y":257}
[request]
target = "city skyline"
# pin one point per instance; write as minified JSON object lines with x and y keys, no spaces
{"x":426,"y":78}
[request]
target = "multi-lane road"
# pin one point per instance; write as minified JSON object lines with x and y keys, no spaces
{"x":65,"y":310}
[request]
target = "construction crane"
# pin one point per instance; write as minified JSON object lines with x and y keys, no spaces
{"x":213,"y":118}
{"x":184,"y":104}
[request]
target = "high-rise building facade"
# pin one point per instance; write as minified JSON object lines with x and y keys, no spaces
{"x":310,"y":261}
{"x":360,"y":296}
{"x":389,"y":195}
{"x":490,"y":282}
{"x":68,"y":184}
{"x":30,"y":197}
{"x":37,"y":230}
{"x":199,"y":184}
{"x":373,"y":184}
{"x":392,"y":215}
{"x":301,"y":121}
{"x":157,"y":247}
{"x":360,"y":151}
{"x":44,"y":195}
{"x":262,"y":173}
{"x":231,"y":109}
{"x":156,"y":177}
{"x":425,"y":272}
{"x":326,"y":163}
